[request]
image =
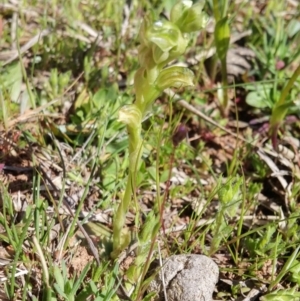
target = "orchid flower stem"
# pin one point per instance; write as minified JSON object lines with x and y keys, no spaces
{"x":289,"y":85}
{"x":225,"y":84}
{"x":120,"y":217}
{"x":161,"y":41}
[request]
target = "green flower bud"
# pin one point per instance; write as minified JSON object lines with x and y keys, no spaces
{"x":174,"y":76}
{"x":189,"y":17}
{"x":161,"y":42}
{"x":132,"y":117}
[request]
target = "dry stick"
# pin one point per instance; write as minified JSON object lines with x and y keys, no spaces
{"x":192,"y":109}
{"x":65,"y":201}
{"x":162,"y":275}
{"x":126,"y":12}
{"x":205,"y":222}
{"x":13,"y":32}
{"x":255,"y":293}
{"x":27,"y":46}
{"x":7,"y":7}
{"x":258,"y":149}
{"x":166,"y":192}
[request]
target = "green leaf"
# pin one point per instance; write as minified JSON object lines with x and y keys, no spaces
{"x":285,"y":269}
{"x":59,"y":290}
{"x":80,"y":279}
{"x":100,"y":98}
{"x":93,"y":287}
{"x":68,"y":289}
{"x":261,"y":97}
{"x":222,"y":37}
{"x":282,"y":295}
{"x":123,"y":242}
{"x":228,"y":193}
{"x":59,"y":278}
{"x":12,"y":79}
{"x":293,"y":27}
{"x":152,"y":172}
{"x":279,"y":112}
{"x":295,"y":272}
{"x":255,"y":100}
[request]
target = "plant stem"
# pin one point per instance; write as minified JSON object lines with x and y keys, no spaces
{"x":224,"y":88}
{"x":279,"y":111}
{"x":289,"y":85}
{"x":120,"y":217}
{"x":216,"y":9}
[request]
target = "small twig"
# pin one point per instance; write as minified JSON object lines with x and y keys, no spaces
{"x":205,"y":222}
{"x":4,"y":7}
{"x":121,"y":291}
{"x":192,"y":109}
{"x":274,"y":168}
{"x":162,"y":273}
{"x":17,"y":168}
{"x":255,"y":293}
{"x":13,"y":31}
{"x":126,"y":252}
{"x":88,"y":140}
{"x":88,"y":29}
{"x":62,"y":241}
{"x":27,"y":46}
{"x":126,"y":11}
{"x":97,"y":36}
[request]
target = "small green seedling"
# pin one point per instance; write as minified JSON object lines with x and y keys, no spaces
{"x":282,"y":107}
{"x":65,"y":287}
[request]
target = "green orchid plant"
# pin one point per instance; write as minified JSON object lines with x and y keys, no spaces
{"x":161,"y":42}
{"x":222,"y":41}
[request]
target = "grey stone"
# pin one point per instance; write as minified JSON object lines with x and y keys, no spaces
{"x":187,"y":278}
